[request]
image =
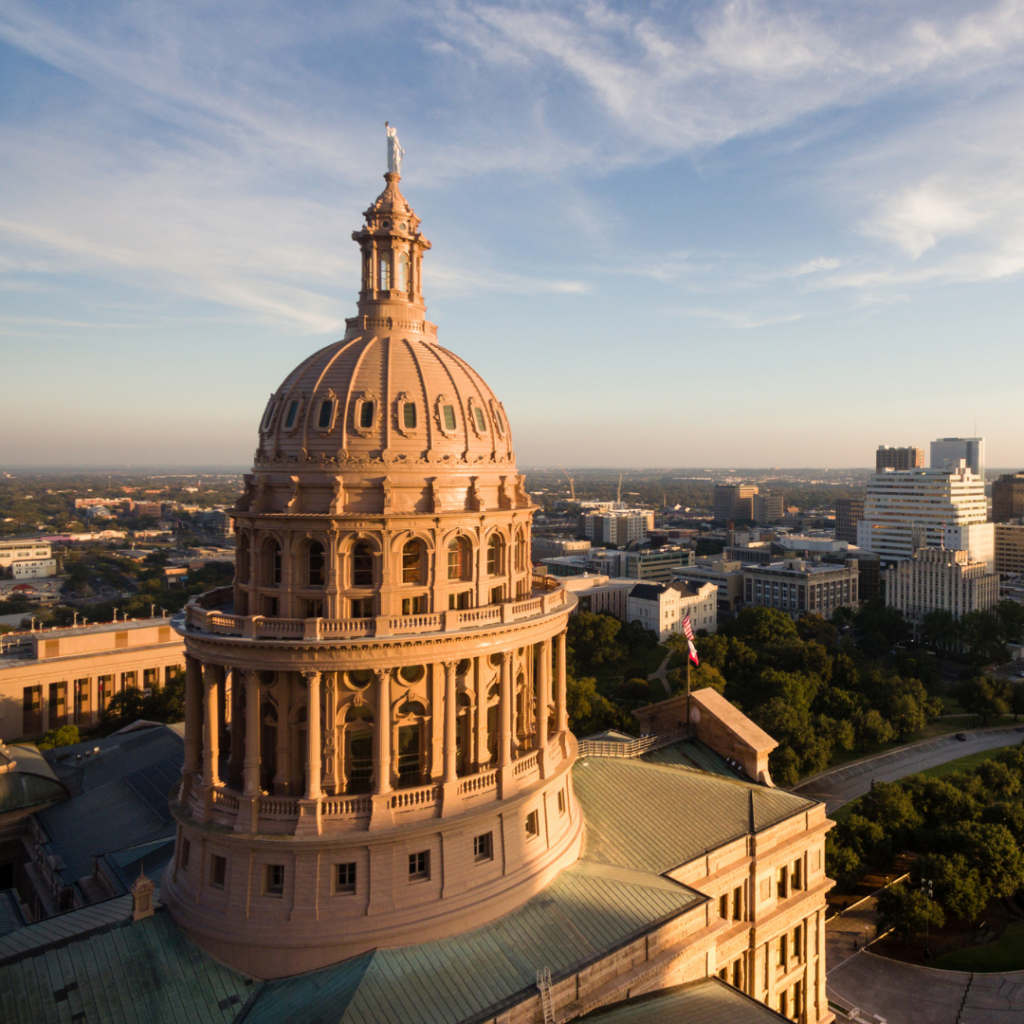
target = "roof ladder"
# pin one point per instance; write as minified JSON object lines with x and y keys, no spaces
{"x":546,"y":1002}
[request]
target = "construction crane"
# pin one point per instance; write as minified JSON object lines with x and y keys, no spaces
{"x":572,"y":484}
{"x":618,"y":495}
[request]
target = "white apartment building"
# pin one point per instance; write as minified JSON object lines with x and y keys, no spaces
{"x":662,"y":608}
{"x":617,"y":526}
{"x":947,"y":452}
{"x":909,"y":509}
{"x":18,"y":549}
{"x":940,"y":579}
{"x":34,"y":568}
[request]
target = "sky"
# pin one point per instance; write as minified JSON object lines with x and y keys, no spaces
{"x":667,"y":234}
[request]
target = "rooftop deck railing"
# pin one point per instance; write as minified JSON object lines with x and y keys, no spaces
{"x":632,"y":748}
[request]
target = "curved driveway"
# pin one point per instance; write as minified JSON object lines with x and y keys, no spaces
{"x":840,"y":785}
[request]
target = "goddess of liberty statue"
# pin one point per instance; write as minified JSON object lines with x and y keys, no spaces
{"x":395,"y":151}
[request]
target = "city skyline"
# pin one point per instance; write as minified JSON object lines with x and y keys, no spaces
{"x":793,"y":204}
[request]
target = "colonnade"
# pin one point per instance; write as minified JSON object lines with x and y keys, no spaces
{"x":206,"y":703}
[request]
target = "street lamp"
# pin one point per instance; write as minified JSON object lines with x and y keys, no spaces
{"x":926,"y":888}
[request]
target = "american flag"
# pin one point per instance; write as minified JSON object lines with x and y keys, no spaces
{"x":687,"y":628}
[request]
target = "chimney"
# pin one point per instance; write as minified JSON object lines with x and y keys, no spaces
{"x":142,"y":897}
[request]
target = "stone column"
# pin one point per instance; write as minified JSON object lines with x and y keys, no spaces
{"x":248,"y":805}
{"x":193,"y":714}
{"x":450,"y":800}
{"x":506,"y":775}
{"x":561,"y":715}
{"x":237,"y":758}
{"x":381,"y":815}
{"x":481,"y":751}
{"x":211,"y":736}
{"x":309,"y":806}
{"x":329,"y":781}
{"x":543,"y":700}
{"x":282,"y":777}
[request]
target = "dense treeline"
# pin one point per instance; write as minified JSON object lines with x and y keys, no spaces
{"x":967,"y":827}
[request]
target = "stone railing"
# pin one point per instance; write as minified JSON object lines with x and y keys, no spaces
{"x":526,"y":764}
{"x":632,"y":748}
{"x":388,"y":323}
{"x":417,"y":796}
{"x":201,"y":614}
{"x":477,"y":785}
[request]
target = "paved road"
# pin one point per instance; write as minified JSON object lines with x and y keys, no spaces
{"x":840,"y":785}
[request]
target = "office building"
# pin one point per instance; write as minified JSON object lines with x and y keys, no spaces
{"x":947,"y":452}
{"x":616,"y":527}
{"x":796,"y":586}
{"x":1008,"y":497}
{"x":654,"y":564}
{"x":898,"y":458}
{"x":767,"y":508}
{"x":20,"y":549}
{"x":56,"y":677}
{"x":940,"y":579}
{"x":905,"y":510}
{"x":849,"y":512}
{"x":33,"y":568}
{"x":735,"y":502}
{"x":726,"y":575}
{"x":1009,"y":548}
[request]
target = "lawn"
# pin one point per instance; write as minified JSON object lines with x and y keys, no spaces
{"x":1004,"y":954}
{"x":964,"y":764}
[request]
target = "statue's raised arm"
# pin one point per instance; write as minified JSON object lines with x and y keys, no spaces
{"x":395,"y":151}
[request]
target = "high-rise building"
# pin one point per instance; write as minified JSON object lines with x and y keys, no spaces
{"x":799,"y":587}
{"x":898,"y":458}
{"x":906,"y":510}
{"x":940,"y":579}
{"x":734,"y":501}
{"x":948,"y":451}
{"x":1008,"y":497}
{"x":849,"y":512}
{"x":616,"y":527}
{"x":1009,"y":542}
{"x":767,"y":508}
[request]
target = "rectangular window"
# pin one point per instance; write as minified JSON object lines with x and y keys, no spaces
{"x":366,"y":415}
{"x":326,"y":409}
{"x":561,"y":801}
{"x":449,"y":417}
{"x":127,"y":680}
{"x":797,"y":875}
{"x":362,"y":608}
{"x":737,"y":903}
{"x":314,"y":609}
{"x":218,"y":871}
{"x":274,"y":880}
{"x":783,"y":955}
{"x":270,"y":607}
{"x":409,"y":415}
{"x":419,"y":865}
{"x":784,"y":1004}
{"x":797,"y":944}
{"x":58,"y":705}
{"x":483,"y":847}
{"x":345,"y":877}
{"x":150,"y":677}
{"x":460,"y":601}
{"x":497,"y":595}
{"x":414,"y":605}
{"x":186,"y":850}
{"x":481,"y":425}
{"x":782,"y":887}
{"x":289,"y":420}
{"x":737,"y":974}
{"x":533,"y":824}
{"x":723,"y":906}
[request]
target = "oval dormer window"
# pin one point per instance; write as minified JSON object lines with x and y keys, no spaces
{"x":326,"y":413}
{"x":289,"y":420}
{"x":366,"y":415}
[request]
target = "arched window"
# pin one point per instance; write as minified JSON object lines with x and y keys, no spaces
{"x":412,"y":562}
{"x":366,"y":415}
{"x":384,"y":267}
{"x":362,"y":565}
{"x":402,"y":272}
{"x":272,"y":564}
{"x":460,"y":559}
{"x":495,"y":556}
{"x":316,"y":564}
{"x":293,"y":408}
{"x":326,"y":414}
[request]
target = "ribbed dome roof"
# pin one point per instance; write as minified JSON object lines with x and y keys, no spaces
{"x":394,"y":398}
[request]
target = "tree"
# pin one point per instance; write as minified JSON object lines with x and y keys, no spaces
{"x":984,"y":696}
{"x":983,"y":633}
{"x":814,"y":627}
{"x":1011,"y":618}
{"x":958,"y":887}
{"x":590,"y":712}
{"x":65,"y":736}
{"x":940,"y":630}
{"x":871,"y":728}
{"x":762,"y":625}
{"x":636,"y":690}
{"x":1017,"y":700}
{"x":908,"y":911}
{"x":593,"y":639}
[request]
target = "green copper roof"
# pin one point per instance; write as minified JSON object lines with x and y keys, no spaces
{"x":709,"y":1001}
{"x":693,"y":754}
{"x":654,"y":817}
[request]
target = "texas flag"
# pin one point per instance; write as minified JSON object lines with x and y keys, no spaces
{"x":688,"y":631}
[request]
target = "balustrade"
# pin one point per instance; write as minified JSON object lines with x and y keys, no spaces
{"x":420,"y":796}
